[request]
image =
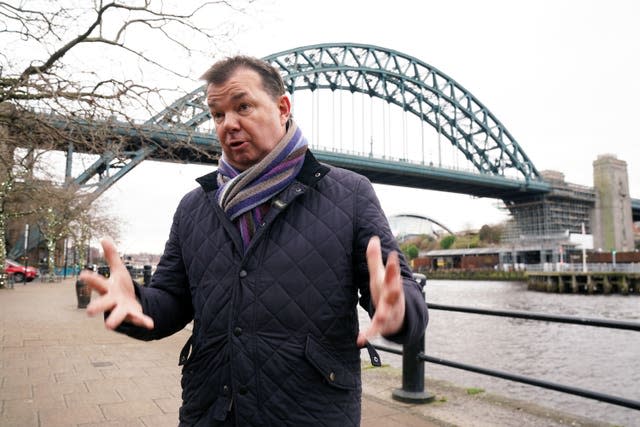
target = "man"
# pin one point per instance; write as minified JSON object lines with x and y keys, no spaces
{"x":267,"y":257}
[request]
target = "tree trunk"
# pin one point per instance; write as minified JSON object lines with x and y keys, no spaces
{"x":3,"y":244}
{"x":51,"y":266}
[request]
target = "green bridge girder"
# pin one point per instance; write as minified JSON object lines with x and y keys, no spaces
{"x":152,"y":142}
{"x":398,"y":79}
{"x":504,"y":170}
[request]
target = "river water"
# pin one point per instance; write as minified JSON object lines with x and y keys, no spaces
{"x":596,"y":359}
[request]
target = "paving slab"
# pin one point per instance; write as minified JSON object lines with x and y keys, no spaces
{"x":59,"y":367}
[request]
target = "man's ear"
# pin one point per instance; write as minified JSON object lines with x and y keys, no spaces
{"x":284,"y":105}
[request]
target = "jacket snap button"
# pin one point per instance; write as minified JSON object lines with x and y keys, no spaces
{"x":237,"y":331}
{"x":243,"y":273}
{"x":317,"y":174}
{"x":298,"y":189}
{"x":332,"y":376}
{"x":225,"y":390}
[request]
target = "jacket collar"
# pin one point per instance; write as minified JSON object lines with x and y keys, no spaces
{"x":312,"y":171}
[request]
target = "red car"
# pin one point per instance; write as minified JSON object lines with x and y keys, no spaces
{"x":19,"y":271}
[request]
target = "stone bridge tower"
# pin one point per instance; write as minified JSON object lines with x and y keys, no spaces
{"x":612,"y":222}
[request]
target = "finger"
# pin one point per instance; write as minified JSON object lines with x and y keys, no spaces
{"x":374,"y":256}
{"x":361,"y":341}
{"x":375,"y":267}
{"x":141,"y":319}
{"x":374,"y":329}
{"x":95,"y":281}
{"x":367,"y":335}
{"x":392,"y":282}
{"x":111,"y":253}
{"x":100,"y":305}
{"x":116,"y":317}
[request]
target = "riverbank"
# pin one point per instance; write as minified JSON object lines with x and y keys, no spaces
{"x":458,"y":274}
{"x":597,"y":282}
{"x":455,"y":405}
{"x":587,"y":283}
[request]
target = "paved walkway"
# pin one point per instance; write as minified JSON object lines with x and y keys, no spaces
{"x":60,"y":368}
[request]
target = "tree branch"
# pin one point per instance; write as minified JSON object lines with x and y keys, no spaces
{"x":41,"y":69}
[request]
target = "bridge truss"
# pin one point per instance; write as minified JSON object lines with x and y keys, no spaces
{"x":398,"y":79}
{"x":502,"y":168}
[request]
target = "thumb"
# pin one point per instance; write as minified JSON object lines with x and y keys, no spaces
{"x":374,"y":265}
{"x":374,"y":255}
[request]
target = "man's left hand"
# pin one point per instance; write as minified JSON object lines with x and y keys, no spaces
{"x":387,"y":293}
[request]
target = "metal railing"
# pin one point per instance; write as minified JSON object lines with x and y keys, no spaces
{"x":413,"y":357}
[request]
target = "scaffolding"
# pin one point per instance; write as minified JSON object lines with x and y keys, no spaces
{"x":552,"y":216}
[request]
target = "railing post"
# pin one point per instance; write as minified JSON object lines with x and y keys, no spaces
{"x":412,"y":390}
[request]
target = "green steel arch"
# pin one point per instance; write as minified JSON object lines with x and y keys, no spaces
{"x":396,"y":78}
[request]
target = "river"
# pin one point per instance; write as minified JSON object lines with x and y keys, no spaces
{"x":597,"y":359}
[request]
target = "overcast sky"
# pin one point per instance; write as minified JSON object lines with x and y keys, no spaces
{"x":562,"y":76}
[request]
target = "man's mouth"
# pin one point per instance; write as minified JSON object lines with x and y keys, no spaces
{"x":235,"y":144}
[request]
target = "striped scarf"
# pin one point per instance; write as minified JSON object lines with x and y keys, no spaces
{"x":243,"y":195}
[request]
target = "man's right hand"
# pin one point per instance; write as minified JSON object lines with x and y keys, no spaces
{"x":117,"y":294}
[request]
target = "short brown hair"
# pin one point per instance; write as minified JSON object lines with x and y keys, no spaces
{"x":222,"y":70}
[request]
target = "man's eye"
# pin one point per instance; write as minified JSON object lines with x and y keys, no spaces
{"x":217,"y":117}
{"x":244,"y":107}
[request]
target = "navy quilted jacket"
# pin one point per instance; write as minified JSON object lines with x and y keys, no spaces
{"x":274,"y":330}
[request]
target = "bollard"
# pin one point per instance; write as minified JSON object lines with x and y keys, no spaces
{"x":83,"y":291}
{"x":104,"y":270}
{"x":146,"y":274}
{"x":412,"y":390}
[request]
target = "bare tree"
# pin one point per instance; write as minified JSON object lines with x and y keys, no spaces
{"x":61,"y":215}
{"x":93,"y":221}
{"x":19,"y":166}
{"x":69,"y":68}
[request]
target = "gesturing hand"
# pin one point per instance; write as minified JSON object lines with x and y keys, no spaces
{"x":387,"y":293}
{"x":116,"y":293}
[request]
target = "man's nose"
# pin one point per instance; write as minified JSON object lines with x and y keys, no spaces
{"x":230,"y":122}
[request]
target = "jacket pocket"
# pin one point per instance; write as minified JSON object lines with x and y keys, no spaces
{"x":332,"y":370}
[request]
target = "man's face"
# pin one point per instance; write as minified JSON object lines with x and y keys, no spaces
{"x":249,"y":122}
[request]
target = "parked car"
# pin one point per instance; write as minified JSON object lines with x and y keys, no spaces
{"x":19,"y":271}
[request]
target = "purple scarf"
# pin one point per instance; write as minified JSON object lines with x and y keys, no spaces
{"x":242,"y":195}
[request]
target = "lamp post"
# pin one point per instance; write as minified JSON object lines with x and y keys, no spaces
{"x":66,"y":253}
{"x":613,"y":258}
{"x":26,"y":256}
{"x":584,"y":251}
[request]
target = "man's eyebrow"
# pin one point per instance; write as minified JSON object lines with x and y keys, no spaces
{"x":234,"y":97}
{"x":239,"y":95}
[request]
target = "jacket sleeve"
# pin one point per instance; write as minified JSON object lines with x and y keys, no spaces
{"x":371,"y":221}
{"x":167,"y":299}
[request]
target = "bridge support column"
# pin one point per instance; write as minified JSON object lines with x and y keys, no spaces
{"x":552,"y":285}
{"x":606,"y":284}
{"x":560,"y":284}
{"x":591,"y":286}
{"x":624,"y":285}
{"x":68,"y":173}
